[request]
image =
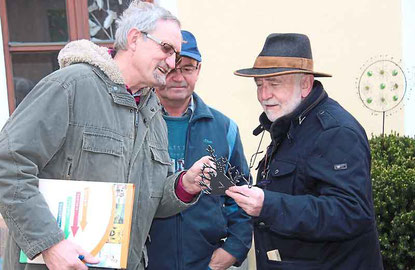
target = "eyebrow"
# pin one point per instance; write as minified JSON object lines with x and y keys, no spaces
{"x":278,"y":80}
{"x":273,"y":79}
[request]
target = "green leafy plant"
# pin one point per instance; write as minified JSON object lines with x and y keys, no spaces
{"x":393,"y":179}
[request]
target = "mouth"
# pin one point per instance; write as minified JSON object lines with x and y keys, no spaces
{"x":270,"y":105}
{"x":177,"y":87}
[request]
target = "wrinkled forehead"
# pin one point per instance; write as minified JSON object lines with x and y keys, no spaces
{"x":168,"y":31}
{"x":277,"y":79}
{"x":186,"y":61}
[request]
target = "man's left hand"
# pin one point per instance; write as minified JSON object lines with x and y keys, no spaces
{"x":221,"y":260}
{"x":250,"y":200}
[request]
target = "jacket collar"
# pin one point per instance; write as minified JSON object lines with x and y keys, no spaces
{"x":85,"y":51}
{"x":201,"y":109}
{"x":280,"y":127}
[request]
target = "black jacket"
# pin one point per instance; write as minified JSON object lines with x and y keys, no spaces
{"x":318,"y":209}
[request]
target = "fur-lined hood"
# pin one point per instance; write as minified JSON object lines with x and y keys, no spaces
{"x":84,"y":51}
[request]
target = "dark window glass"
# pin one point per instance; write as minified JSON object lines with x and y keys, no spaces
{"x":37,"y":20}
{"x":102,"y":16}
{"x":29,"y":69}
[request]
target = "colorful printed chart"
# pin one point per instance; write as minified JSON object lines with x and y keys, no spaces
{"x":95,"y":215}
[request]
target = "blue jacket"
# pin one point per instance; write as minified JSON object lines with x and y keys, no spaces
{"x":318,"y":209}
{"x":187,"y":240}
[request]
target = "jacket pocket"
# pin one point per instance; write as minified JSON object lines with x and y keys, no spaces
{"x":160,"y":155}
{"x":68,"y":168}
{"x":101,"y":157}
{"x":161,"y":161}
{"x":104,"y":143}
{"x":282,"y":175}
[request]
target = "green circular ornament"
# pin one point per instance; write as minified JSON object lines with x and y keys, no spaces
{"x":369,"y":100}
{"x":395,"y":98}
{"x":382,"y":86}
{"x":394,"y":72}
{"x":369,"y":73}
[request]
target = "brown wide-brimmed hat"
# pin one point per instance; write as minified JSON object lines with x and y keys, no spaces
{"x":283,"y":54}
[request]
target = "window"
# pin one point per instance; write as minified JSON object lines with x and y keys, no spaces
{"x":34,"y":31}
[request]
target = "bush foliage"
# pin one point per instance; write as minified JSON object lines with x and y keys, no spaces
{"x":393,"y":174}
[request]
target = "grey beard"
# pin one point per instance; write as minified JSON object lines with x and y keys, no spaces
{"x":161,"y":79}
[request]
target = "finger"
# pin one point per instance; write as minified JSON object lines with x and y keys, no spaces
{"x":241,"y":189}
{"x":237,"y":196}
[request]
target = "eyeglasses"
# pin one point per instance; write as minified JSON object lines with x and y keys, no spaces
{"x":185,"y":70}
{"x":165,"y":47}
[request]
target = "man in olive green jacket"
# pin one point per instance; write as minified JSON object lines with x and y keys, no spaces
{"x":81,"y":123}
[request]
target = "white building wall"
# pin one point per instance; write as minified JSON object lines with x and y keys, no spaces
{"x":408,"y":52}
{"x":170,"y":5}
{"x":4,"y":107}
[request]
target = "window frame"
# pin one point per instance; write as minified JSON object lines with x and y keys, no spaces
{"x":78,"y":28}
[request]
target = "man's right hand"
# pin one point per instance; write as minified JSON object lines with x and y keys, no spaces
{"x":65,"y":256}
{"x":193,"y":177}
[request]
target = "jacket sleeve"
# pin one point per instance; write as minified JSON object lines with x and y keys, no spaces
{"x":341,"y":208}
{"x":170,"y":204}
{"x":31,"y":136}
{"x":239,"y":238}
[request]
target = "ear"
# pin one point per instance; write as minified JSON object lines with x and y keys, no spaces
{"x":306,"y":84}
{"x":133,"y":35}
{"x":199,"y":68}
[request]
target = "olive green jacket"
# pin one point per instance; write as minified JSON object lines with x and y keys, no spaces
{"x":81,"y":123}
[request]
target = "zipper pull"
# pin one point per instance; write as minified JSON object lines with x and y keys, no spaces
{"x":301,"y":119}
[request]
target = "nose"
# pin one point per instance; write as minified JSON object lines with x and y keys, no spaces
{"x":171,"y":61}
{"x":177,"y":75}
{"x":264,"y":92}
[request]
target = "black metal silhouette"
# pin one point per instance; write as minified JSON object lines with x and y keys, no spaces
{"x":221,"y":176}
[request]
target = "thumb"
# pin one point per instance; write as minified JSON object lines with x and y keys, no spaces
{"x":87,"y":257}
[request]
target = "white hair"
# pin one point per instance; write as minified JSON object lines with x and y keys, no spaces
{"x":140,"y":15}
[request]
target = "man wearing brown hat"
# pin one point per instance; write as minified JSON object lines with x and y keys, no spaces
{"x":312,"y":206}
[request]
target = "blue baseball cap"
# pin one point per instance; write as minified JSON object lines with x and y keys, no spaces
{"x":189,"y":46}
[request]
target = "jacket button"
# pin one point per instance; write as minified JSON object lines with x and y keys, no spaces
{"x":115,"y":88}
{"x":152,"y":109}
{"x":131,"y":110}
{"x":276,"y":171}
{"x":261,"y":224}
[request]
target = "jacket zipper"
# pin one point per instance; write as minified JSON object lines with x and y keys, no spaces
{"x":179,"y":240}
{"x":135,"y":122}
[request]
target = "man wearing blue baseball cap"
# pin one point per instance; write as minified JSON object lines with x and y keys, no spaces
{"x":215,"y":233}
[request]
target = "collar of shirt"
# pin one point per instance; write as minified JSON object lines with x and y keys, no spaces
{"x":189,"y":111}
{"x":136,"y":95}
